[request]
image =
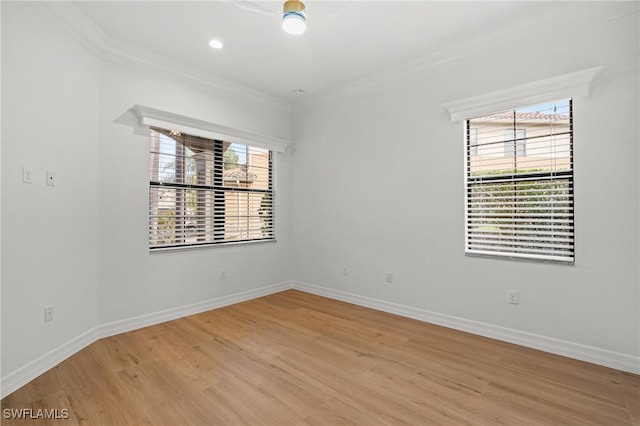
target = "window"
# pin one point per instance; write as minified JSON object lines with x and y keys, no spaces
{"x":472,"y":134}
{"x":519,"y":185}
{"x":205,"y":191}
{"x":515,"y":142}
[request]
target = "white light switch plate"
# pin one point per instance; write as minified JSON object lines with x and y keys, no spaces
{"x":26,"y":174}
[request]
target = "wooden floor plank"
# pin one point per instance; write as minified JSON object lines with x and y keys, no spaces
{"x":294,"y":358}
{"x":46,"y":384}
{"x":337,"y":412}
{"x":38,"y":417}
{"x":554,"y":401}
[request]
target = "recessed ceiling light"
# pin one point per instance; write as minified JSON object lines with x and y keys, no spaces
{"x":216,"y":44}
{"x":298,"y":92}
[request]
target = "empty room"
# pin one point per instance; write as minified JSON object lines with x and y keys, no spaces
{"x":320,"y":212}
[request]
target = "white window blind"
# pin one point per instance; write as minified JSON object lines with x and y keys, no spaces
{"x":519,"y":183}
{"x":205,"y":191}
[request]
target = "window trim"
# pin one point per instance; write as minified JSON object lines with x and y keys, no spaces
{"x":141,"y":117}
{"x":565,"y":86}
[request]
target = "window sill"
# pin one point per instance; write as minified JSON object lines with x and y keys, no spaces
{"x":209,"y":246}
{"x":520,"y":258}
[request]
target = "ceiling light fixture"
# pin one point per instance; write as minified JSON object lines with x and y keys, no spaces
{"x":293,"y":17}
{"x":216,"y":44}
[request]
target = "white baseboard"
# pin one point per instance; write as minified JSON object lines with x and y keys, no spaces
{"x":146,"y":320}
{"x":30,"y":371}
{"x":23,"y":375}
{"x":578,"y":351}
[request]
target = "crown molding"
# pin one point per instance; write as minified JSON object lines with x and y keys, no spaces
{"x":573,"y":18}
{"x":89,"y":35}
{"x":394,"y":74}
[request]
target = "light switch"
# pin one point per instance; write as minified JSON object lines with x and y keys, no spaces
{"x":26,"y":174}
{"x":51,"y":178}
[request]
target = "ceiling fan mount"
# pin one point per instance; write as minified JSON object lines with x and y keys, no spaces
{"x":293,"y":17}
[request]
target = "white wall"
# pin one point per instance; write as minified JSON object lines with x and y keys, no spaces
{"x":135,"y":282}
{"x":82,"y":245}
{"x":379,"y":188}
{"x":375,"y":184}
{"x":50,"y":121}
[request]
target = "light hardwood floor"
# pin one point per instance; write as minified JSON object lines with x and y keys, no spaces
{"x":297,"y":359}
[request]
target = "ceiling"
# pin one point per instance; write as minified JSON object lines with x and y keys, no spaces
{"x":345,"y":40}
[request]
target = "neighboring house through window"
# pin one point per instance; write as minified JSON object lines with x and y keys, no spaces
{"x":519,"y":183}
{"x":515,"y":143}
{"x":473,"y":141}
{"x":205,"y":191}
{"x":519,"y":201}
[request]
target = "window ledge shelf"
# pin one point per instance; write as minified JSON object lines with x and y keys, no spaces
{"x":569,"y":85}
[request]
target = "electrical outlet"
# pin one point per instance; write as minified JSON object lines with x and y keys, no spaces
{"x":345,"y":271}
{"x":514,"y":297}
{"x":223,"y":274}
{"x":51,"y":178}
{"x":389,"y":277}
{"x":48,"y":313}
